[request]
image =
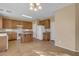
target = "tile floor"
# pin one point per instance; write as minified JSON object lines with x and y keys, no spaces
{"x":34,"y":48}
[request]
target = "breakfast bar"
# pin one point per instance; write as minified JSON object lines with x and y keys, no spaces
{"x":26,"y":36}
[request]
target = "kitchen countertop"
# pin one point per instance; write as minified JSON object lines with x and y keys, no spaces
{"x":14,"y":30}
{"x":3,"y":34}
{"x":27,"y":32}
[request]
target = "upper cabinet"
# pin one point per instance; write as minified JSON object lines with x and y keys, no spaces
{"x":14,"y":24}
{"x":27,"y":25}
{"x":45,"y":23}
{"x":9,"y":23}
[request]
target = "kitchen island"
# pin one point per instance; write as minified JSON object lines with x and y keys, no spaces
{"x":26,"y":36}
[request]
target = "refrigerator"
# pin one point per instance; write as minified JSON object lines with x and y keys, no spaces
{"x":38,"y":32}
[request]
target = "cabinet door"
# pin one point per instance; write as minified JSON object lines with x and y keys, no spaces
{"x":46,"y":36}
{"x":27,"y":25}
{"x":1,"y":22}
{"x":7,"y":23}
{"x":12,"y":35}
{"x":26,"y":38}
{"x":45,"y":23}
{"x":24,"y":25}
{"x":21,"y":23}
{"x":14,"y":24}
{"x":3,"y":43}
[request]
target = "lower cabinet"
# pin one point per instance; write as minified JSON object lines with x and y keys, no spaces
{"x":46,"y":36}
{"x":3,"y":42}
{"x":12,"y":36}
{"x":26,"y":38}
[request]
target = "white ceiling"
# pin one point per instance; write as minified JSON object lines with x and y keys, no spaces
{"x":15,"y":10}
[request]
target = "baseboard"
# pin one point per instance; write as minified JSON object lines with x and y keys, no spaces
{"x":11,"y":39}
{"x":72,"y":53}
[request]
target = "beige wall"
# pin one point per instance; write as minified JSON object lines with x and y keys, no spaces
{"x":77,"y":27}
{"x":65,"y":28}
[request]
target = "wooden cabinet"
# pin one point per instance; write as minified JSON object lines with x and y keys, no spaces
{"x":14,"y":24}
{"x":12,"y":35}
{"x":46,"y":36}
{"x":1,"y":22}
{"x":45,"y":23}
{"x":27,"y":25}
{"x":20,"y":23}
{"x":7,"y":23}
{"x":3,"y":42}
{"x":26,"y":37}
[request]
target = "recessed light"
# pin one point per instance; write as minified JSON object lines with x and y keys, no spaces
{"x":26,"y":16}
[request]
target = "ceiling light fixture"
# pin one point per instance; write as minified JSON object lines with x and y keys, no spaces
{"x":26,"y":16}
{"x":35,"y":6}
